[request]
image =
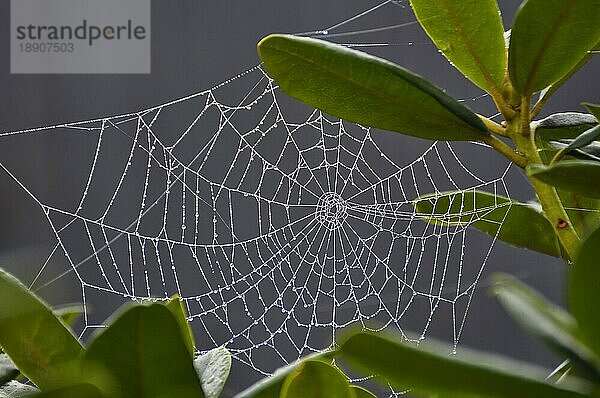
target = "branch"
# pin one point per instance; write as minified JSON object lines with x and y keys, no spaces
{"x":493,"y":126}
{"x":548,"y":196}
{"x":505,"y":109}
{"x":506,"y":150}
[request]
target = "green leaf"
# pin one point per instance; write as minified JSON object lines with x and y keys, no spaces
{"x":270,"y":387}
{"x":364,"y":89}
{"x":549,"y":323}
{"x":515,"y":223}
{"x":145,"y":350}
{"x":583,"y":212}
{"x":593,"y":109}
{"x":546,"y":93}
{"x":584,"y":294}
{"x":85,"y":372}
{"x":213,"y":369}
{"x":34,"y":338}
{"x":584,"y":139}
{"x":577,"y":176}
{"x":360,"y":392}
{"x":470,"y":34}
{"x":74,"y":391}
{"x":549,"y":38}
{"x":14,"y":389}
{"x":69,"y":314}
{"x":8,"y":371}
{"x":175,"y":305}
{"x":316,"y":379}
{"x":428,"y":369}
{"x":562,"y":126}
{"x":589,"y":152}
{"x":591,"y":149}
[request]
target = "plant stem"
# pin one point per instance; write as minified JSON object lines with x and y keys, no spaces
{"x":559,"y":155}
{"x":547,"y":195}
{"x":506,"y":150}
{"x":493,"y":126}
{"x":555,"y":212}
{"x":502,"y":105}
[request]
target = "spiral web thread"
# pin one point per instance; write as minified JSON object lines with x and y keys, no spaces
{"x":276,"y":233}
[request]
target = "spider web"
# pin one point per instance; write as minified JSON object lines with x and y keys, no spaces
{"x":276,"y":224}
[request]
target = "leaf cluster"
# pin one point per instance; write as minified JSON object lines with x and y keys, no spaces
{"x":147,"y":350}
{"x":549,"y":41}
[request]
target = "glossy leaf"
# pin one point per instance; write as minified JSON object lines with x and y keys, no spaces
{"x":584,"y":294}
{"x":270,"y":387}
{"x":470,"y":34}
{"x":593,"y":109}
{"x":14,"y":389}
{"x":550,"y":324}
{"x":175,"y":305}
{"x":584,"y":139}
{"x":8,"y":371}
{"x":360,"y":392}
{"x":562,"y":126}
{"x":34,"y":338}
{"x":145,"y":350}
{"x":74,"y":391}
{"x":316,"y":379}
{"x":577,"y":176}
{"x":589,"y":152}
{"x":85,"y":372}
{"x":213,"y":369}
{"x":428,"y":369}
{"x":364,"y":89}
{"x":515,"y":223}
{"x":549,"y":38}
{"x":546,"y":93}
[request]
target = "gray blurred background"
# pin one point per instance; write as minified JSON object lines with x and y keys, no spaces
{"x":197,"y":45}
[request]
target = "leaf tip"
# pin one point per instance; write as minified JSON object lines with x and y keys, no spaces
{"x":269,"y":41}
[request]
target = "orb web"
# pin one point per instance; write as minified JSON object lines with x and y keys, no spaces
{"x":276,"y":224}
